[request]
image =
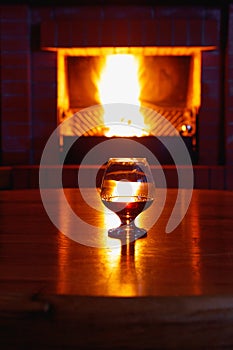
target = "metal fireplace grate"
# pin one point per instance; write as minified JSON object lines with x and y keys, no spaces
{"x":89,"y":122}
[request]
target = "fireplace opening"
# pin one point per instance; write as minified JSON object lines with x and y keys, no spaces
{"x":165,"y":79}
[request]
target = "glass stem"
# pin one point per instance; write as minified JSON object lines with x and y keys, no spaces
{"x":127,"y":222}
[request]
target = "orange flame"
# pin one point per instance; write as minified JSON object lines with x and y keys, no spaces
{"x":119,"y":84}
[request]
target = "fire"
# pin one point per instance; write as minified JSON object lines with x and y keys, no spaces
{"x":119,"y":84}
{"x":123,"y":79}
{"x":119,"y":81}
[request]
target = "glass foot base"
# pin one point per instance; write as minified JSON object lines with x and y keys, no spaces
{"x":127,"y":233}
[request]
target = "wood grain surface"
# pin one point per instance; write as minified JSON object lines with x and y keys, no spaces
{"x":164,"y":291}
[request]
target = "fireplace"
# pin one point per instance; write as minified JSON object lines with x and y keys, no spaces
{"x":37,"y":40}
{"x":164,"y":79}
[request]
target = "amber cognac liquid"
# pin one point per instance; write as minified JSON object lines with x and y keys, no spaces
{"x":127,"y":208}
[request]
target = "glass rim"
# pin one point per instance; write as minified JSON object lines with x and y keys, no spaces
{"x":128,"y":159}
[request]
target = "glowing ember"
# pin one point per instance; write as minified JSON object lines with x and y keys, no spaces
{"x":119,"y":84}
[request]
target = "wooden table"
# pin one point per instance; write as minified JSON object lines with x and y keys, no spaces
{"x":165,"y":291}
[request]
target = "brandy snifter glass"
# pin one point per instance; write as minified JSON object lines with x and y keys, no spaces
{"x":127,"y":189}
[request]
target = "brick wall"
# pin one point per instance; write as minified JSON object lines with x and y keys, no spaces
{"x":160,"y":29}
{"x":28,"y":74}
{"x":229,"y":93}
{"x":15,"y":85}
{"x":28,"y":88}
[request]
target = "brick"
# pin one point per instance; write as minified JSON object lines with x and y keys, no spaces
{"x":48,"y":34}
{"x":229,"y":157}
{"x":229,"y":177}
{"x":210,"y":74}
{"x":180,"y":32}
{"x":39,"y":144}
{"x":15,"y":73}
{"x":64,"y":34}
{"x":18,"y":101}
{"x":230,"y":72}
{"x":41,"y":133}
{"x":211,"y":89}
{"x":40,"y":14}
{"x":14,"y":28}
{"x":15,"y":88}
{"x":229,"y":60}
{"x":211,"y":58}
{"x":77,"y":33}
{"x":180,"y":11}
{"x":230,"y":45}
{"x":20,"y":43}
{"x":208,"y":157}
{"x":165,"y":32}
{"x":209,"y":130}
{"x":208,"y":139}
{"x":195,"y":32}
{"x":229,"y":115}
{"x":209,"y":102}
{"x":118,"y":12}
{"x":211,"y":33}
{"x":15,"y":157}
{"x":209,"y":116}
{"x":15,"y":12}
{"x":129,"y":12}
{"x":230,"y":88}
{"x":141,"y":12}
{"x":229,"y":135}
{"x":44,"y":74}
{"x":45,"y":59}
{"x":15,"y":59}
{"x":44,"y":90}
{"x":229,"y":101}
{"x":13,"y":114}
{"x":17,"y":144}
{"x":45,"y":104}
{"x":121,"y":33}
{"x":92,"y":35}
{"x":78,"y":12}
{"x":44,"y":115}
{"x":137,"y":33}
{"x":151,"y":30}
{"x":106,"y":33}
{"x":15,"y":130}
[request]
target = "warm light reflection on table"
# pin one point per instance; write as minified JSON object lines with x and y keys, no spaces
{"x":195,"y":259}
{"x":185,"y":278}
{"x":118,"y":260}
{"x":195,"y":250}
